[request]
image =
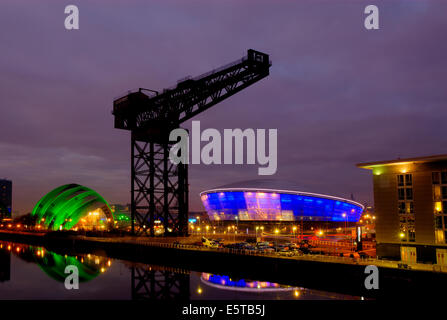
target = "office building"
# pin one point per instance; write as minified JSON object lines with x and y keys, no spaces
{"x":5,"y":199}
{"x":410,"y":200}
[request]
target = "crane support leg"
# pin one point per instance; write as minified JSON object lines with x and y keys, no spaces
{"x":159,"y":191}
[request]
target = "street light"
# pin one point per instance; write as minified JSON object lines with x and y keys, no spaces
{"x":302,"y":229}
{"x":276,"y":240}
{"x":346,"y":222}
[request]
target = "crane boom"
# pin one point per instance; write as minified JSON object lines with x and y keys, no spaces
{"x":191,"y":96}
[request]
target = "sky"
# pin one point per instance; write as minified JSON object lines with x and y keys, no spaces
{"x":338,"y":94}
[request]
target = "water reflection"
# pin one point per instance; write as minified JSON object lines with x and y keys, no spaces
{"x":5,"y":266}
{"x":248,"y":289}
{"x":54,"y":264}
{"x":21,"y":277}
{"x":159,"y":283}
{"x":227,"y":283}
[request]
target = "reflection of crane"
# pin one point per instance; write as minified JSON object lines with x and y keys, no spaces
{"x":159,"y":189}
{"x":159,"y":283}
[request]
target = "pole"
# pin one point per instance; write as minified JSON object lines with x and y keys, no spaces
{"x":302,"y":225}
{"x":132,"y":183}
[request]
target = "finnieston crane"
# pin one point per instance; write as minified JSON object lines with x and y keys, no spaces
{"x":159,"y":189}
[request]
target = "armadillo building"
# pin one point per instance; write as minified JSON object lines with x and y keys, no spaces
{"x":265,"y":200}
{"x":73,"y":206}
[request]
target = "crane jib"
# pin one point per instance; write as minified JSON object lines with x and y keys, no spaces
{"x":191,"y":95}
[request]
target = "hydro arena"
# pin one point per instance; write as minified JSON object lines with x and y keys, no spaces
{"x":263,"y":201}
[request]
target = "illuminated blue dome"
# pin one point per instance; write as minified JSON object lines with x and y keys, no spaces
{"x":254,"y":201}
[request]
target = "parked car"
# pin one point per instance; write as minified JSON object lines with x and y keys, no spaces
{"x":210,"y":243}
{"x":285,"y":253}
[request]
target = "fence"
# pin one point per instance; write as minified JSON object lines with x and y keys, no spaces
{"x":366,"y":245}
{"x":286,"y":255}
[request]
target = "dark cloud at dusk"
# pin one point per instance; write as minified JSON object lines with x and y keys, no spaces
{"x":337,"y":93}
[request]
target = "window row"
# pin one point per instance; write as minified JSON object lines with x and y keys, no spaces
{"x":440,"y":236}
{"x":439,"y":177}
{"x":407,"y":228}
{"x":408,"y":235}
{"x":404,"y":180}
{"x":405,"y":193}
{"x":439,"y":220}
{"x":406,"y":207}
{"x":439,"y":192}
{"x":440,"y":207}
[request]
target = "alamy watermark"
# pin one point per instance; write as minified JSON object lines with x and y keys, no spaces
{"x":372,"y":280}
{"x":255,"y":150}
{"x":72,"y":280}
{"x":71,"y":22}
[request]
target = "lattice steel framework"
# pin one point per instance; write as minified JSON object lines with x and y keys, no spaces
{"x":159,"y":188}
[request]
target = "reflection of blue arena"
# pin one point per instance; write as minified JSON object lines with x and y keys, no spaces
{"x":227,"y":283}
{"x":238,"y":283}
{"x":277,"y":205}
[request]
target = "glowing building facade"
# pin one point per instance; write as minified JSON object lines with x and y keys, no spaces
{"x":259,"y":204}
{"x":73,"y":206}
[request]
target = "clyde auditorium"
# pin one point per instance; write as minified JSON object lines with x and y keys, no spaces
{"x":269,"y":201}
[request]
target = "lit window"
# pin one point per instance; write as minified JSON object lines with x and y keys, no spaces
{"x":439,"y":236}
